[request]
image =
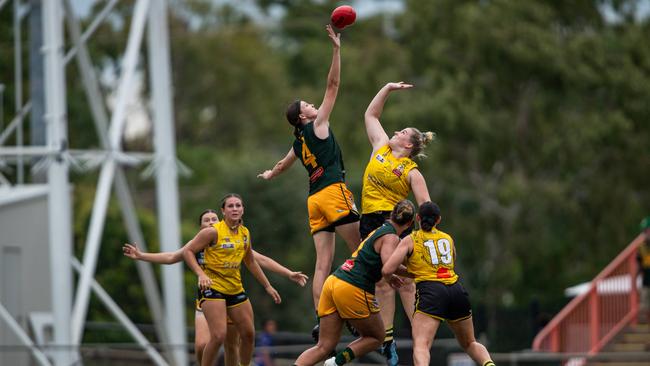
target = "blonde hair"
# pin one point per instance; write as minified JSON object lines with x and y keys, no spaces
{"x":420,"y":140}
{"x":403,"y":212}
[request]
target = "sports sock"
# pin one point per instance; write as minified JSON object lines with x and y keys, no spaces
{"x":488,"y":363}
{"x":344,"y":356}
{"x":389,"y":334}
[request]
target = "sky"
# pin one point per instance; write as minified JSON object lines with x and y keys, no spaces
{"x":363,"y":7}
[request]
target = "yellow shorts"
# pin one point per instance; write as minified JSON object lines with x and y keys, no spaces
{"x":348,"y":300}
{"x":331,"y":206}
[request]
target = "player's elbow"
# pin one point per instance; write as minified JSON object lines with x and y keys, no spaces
{"x":186,"y":255}
{"x":175,"y":257}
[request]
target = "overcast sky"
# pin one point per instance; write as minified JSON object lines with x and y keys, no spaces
{"x":363,"y":7}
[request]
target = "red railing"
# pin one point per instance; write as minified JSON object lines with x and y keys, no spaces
{"x":592,"y":319}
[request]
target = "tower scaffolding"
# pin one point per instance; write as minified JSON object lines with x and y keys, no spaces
{"x":55,"y":157}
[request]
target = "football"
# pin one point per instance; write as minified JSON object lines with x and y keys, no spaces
{"x":343,"y":16}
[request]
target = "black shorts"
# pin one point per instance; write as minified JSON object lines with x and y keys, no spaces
{"x":353,"y":216}
{"x":373,"y":220}
{"x":212,"y":294}
{"x":443,"y":302}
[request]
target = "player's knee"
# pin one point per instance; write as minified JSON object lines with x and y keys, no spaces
{"x":325,"y":346}
{"x":466,"y":343}
{"x":199,"y":345}
{"x":217,"y":338}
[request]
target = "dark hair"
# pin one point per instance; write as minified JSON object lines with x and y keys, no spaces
{"x":209,"y":210}
{"x":230,"y":195}
{"x":429,"y":213}
{"x":293,"y":116}
{"x":420,"y":141}
{"x":403,"y":212}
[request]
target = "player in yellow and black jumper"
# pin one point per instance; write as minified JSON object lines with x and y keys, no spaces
{"x":201,"y":332}
{"x":330,"y":203}
{"x":430,"y":256}
{"x":348,"y":294}
{"x":391,"y":174}
{"x":225,"y":245}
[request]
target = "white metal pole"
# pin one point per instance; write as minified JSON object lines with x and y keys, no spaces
{"x":18,"y":80}
{"x":106,"y":176}
{"x":166,"y":174}
{"x":59,"y":206}
{"x":91,"y":249}
{"x":100,"y":119}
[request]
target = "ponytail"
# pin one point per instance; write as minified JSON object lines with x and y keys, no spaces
{"x":429,"y":214}
{"x":420,"y":140}
{"x":403,"y":212}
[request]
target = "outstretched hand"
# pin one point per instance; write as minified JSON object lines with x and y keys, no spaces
{"x":266,"y":175}
{"x":399,"y":85}
{"x":335,"y":37}
{"x":132,"y":251}
{"x":299,"y":278}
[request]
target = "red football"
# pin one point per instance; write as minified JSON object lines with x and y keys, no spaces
{"x":343,"y":16}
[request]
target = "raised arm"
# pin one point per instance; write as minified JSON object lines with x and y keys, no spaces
{"x":271,"y":265}
{"x":198,"y":243}
{"x":254,"y":268}
{"x":321,"y":124}
{"x":376,"y":134}
{"x":418,"y":186}
{"x":392,"y":264}
{"x":280,"y":166}
{"x":132,"y":251}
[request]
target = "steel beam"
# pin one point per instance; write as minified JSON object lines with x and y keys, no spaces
{"x":166,"y":174}
{"x":108,"y":170}
{"x":23,"y":337}
{"x":100,"y":119}
{"x":59,"y":207}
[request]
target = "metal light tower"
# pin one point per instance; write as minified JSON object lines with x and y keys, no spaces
{"x":69,"y":315}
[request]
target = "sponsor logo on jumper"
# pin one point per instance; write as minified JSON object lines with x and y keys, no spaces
{"x":399,"y":170}
{"x":376,"y":181}
{"x":227,"y":246}
{"x":230,"y":265}
{"x":443,"y":273}
{"x":380,"y":158}
{"x":316,"y":174}
{"x":348,"y":265}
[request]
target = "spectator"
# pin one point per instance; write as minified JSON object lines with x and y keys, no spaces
{"x":644,"y":264}
{"x":265,"y":341}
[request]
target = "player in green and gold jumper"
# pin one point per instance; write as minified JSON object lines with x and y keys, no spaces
{"x":391,"y":174}
{"x":330,"y":204}
{"x":430,"y":257}
{"x":348,"y":294}
{"x":225,"y":245}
